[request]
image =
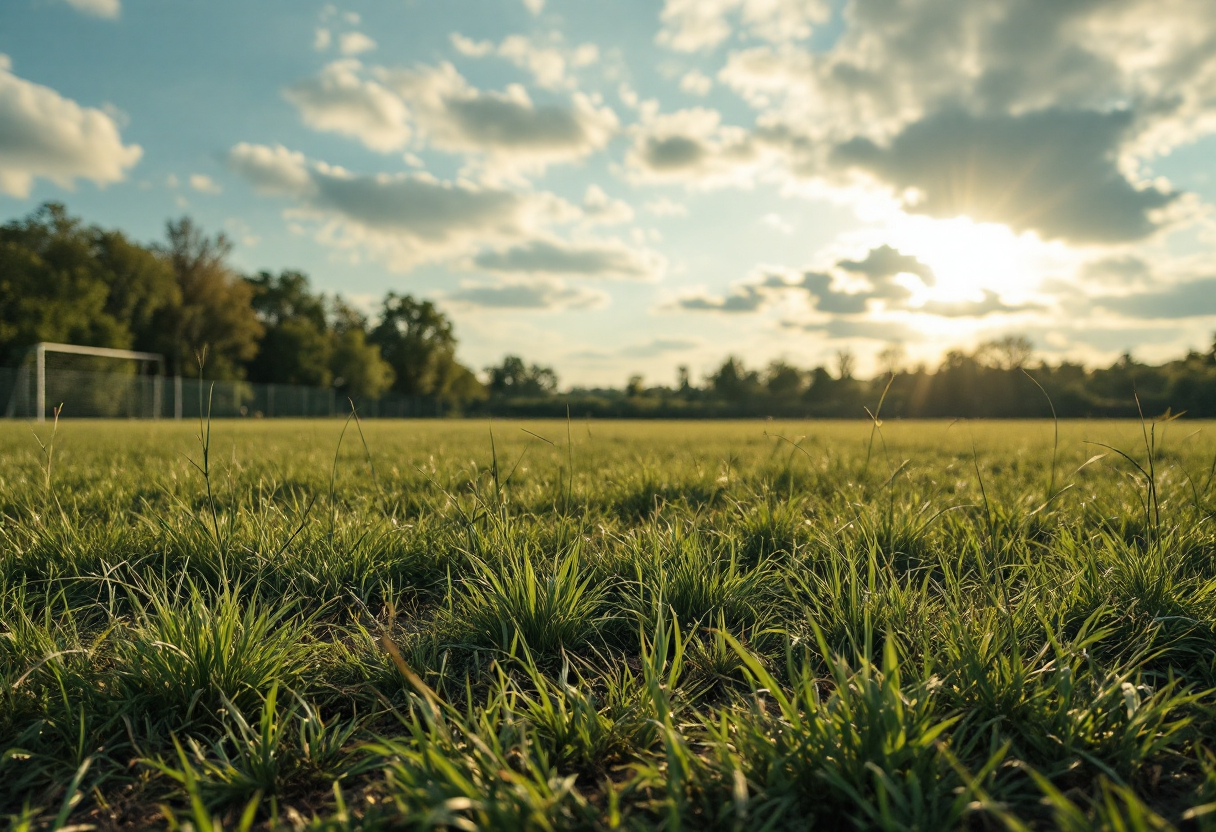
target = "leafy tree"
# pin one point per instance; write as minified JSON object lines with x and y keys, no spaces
{"x":456,"y":383}
{"x":356,"y":364}
{"x":358,"y":369}
{"x":784,"y":381}
{"x":515,"y":378}
{"x":735,"y":383}
{"x":296,"y":347}
{"x":417,"y":341}
{"x":63,"y":281}
{"x":1013,"y":352}
{"x":216,"y":306}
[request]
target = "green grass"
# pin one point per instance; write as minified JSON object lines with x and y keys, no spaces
{"x":736,"y":626}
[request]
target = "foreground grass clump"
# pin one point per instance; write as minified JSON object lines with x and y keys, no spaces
{"x":594,"y":625}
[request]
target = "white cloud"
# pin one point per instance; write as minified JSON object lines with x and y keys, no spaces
{"x":896,"y":63}
{"x":546,"y":63}
{"x":204,"y":184}
{"x":505,"y":133}
{"x":1041,"y":117}
{"x":471,"y":48}
{"x":665,"y":207}
{"x":696,"y":83}
{"x":535,"y":6}
{"x":693,"y":147}
{"x":108,"y":9}
{"x":322,"y":40}
{"x":600,"y":208}
{"x":355,"y":43}
{"x":408,"y":219}
{"x":339,"y":100}
{"x":273,"y":171}
{"x":506,"y":130}
{"x":585,"y":54}
{"x":45,"y":135}
{"x":692,"y":25}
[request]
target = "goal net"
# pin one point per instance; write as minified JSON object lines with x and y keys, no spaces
{"x":87,"y":381}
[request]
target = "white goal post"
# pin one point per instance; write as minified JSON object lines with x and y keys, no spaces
{"x":40,"y":350}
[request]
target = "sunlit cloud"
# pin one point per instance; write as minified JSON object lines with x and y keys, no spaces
{"x":47,"y":136}
{"x":800,"y":175}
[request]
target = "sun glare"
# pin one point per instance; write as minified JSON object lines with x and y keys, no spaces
{"x":969,"y":257}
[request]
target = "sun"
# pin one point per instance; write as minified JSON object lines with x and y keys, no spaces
{"x":969,"y":257}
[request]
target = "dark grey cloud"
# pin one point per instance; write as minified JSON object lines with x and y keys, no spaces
{"x":506,"y":131}
{"x":490,"y":120}
{"x":404,"y":218}
{"x":420,"y":205}
{"x":543,"y":295}
{"x":1195,"y":299}
{"x":880,"y":266}
{"x":885,"y":262}
{"x":671,"y":153}
{"x":692,"y":146}
{"x":830,"y":300}
{"x":659,"y":346}
{"x":578,"y":259}
{"x":1123,"y":270}
{"x":991,"y":304}
{"x":1052,"y":171}
{"x":747,"y":298}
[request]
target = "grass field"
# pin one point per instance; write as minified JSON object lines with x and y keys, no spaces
{"x":738,"y":626}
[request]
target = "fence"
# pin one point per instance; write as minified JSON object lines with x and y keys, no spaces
{"x":128,"y":396}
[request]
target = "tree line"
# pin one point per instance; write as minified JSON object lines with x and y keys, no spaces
{"x":998,"y":379}
{"x":64,"y":281}
{"x":67,"y":282}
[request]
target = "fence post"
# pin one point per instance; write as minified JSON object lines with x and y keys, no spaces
{"x":177,"y":397}
{"x":40,"y":381}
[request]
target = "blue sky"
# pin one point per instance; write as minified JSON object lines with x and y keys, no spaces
{"x":624,"y":186}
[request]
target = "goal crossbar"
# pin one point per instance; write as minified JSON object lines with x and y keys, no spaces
{"x":40,"y":350}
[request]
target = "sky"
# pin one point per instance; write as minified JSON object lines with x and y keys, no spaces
{"x":611,"y":187}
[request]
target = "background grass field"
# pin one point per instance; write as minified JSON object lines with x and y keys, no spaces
{"x":589,"y":625}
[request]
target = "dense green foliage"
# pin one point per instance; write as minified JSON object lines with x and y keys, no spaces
{"x":587,"y":625}
{"x":65,"y":282}
{"x":999,"y":379}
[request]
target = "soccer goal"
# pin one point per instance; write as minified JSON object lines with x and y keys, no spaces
{"x":89,"y":382}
